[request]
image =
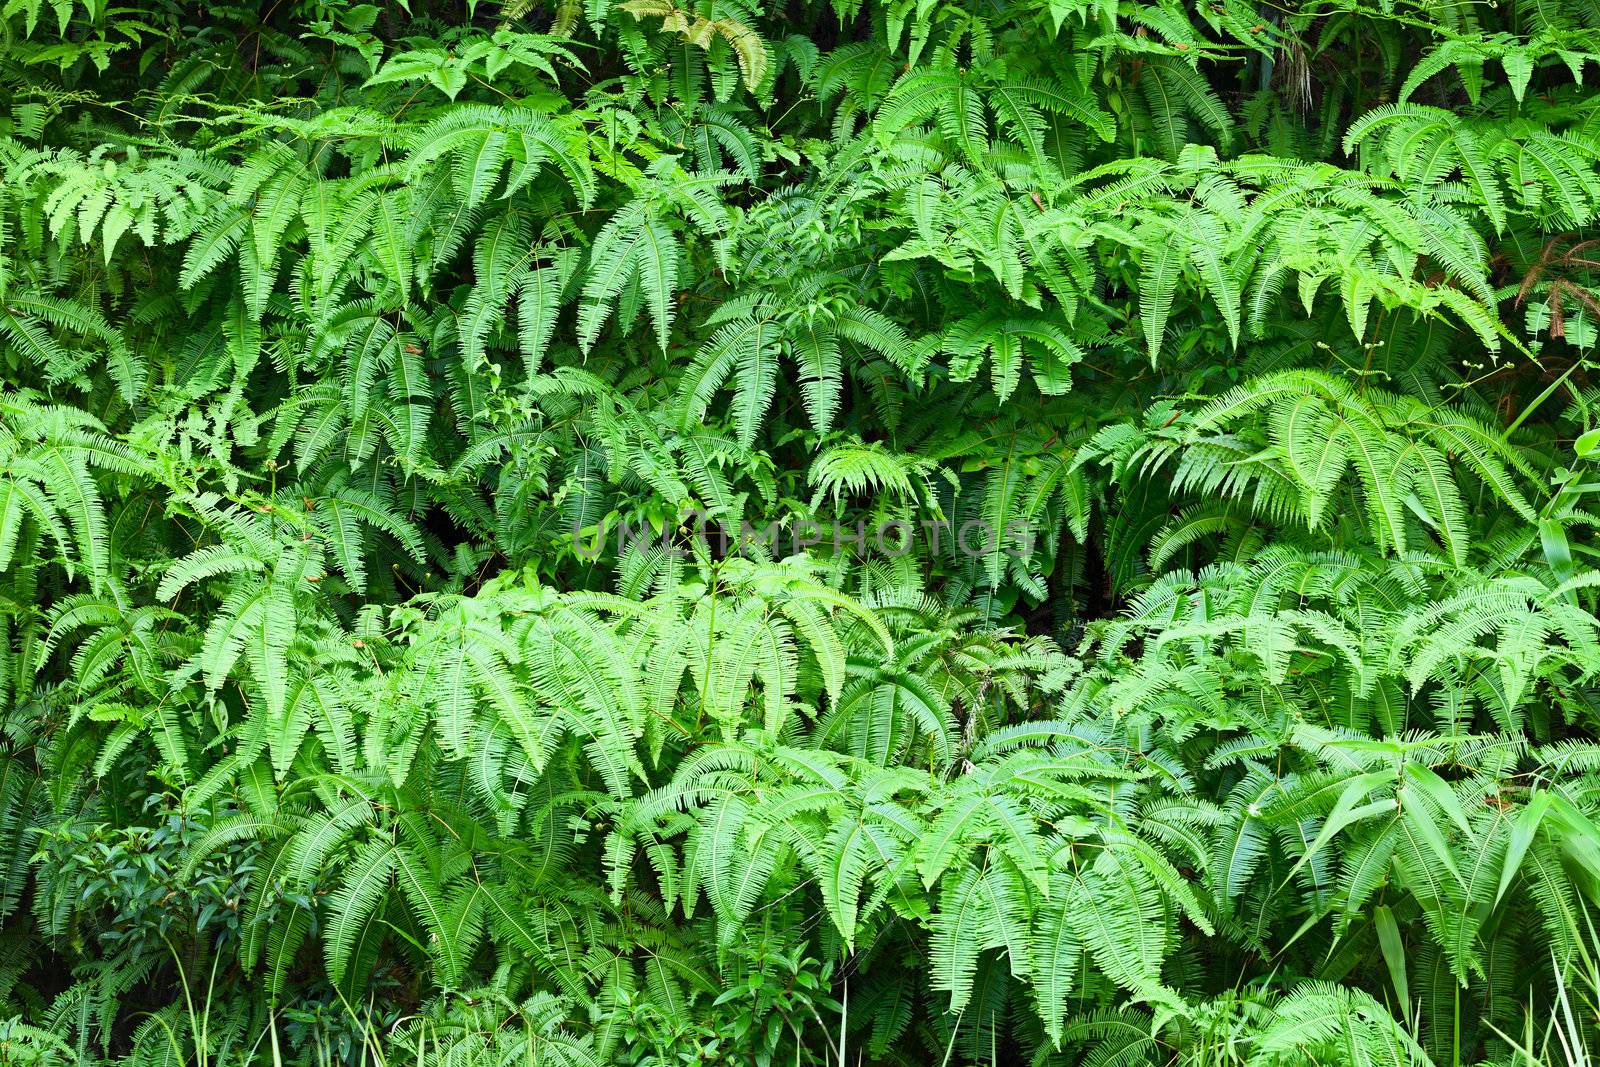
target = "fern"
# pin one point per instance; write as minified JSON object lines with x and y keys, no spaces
{"x":922,"y":533}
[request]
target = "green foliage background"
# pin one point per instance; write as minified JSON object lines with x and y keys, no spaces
{"x":335,"y":338}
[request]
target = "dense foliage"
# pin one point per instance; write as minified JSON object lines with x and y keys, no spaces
{"x":868,"y":532}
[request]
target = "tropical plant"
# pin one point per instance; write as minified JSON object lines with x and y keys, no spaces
{"x":852,"y":533}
